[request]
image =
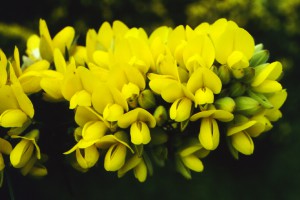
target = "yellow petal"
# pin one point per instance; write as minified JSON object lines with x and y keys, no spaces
{"x":204,"y":77}
{"x":278,"y":99}
{"x":13,"y":118}
{"x":193,"y":163}
{"x":21,"y":153}
{"x":263,"y":72}
{"x":80,"y":98}
{"x":52,"y":87}
{"x":138,"y":114}
{"x":7,"y":98}
{"x":129,"y":164}
{"x":243,"y":143}
{"x":244,"y":42}
{"x":3,"y":72}
{"x":140,"y":171}
{"x":112,"y":112}
{"x":39,"y":65}
{"x":23,"y":100}
{"x":240,"y":127}
{"x":237,"y":60}
{"x":209,"y":134}
{"x":204,"y":96}
{"x":2,"y":164}
{"x":115,"y":157}
{"x":140,"y":133}
{"x":105,"y":35}
{"x":71,"y":84}
{"x":5,"y":146}
{"x":64,"y":38}
{"x":158,"y":85}
{"x":220,"y":115}
{"x":268,"y":86}
{"x":94,"y":130}
{"x":16,"y":63}
{"x":84,"y":115}
{"x":89,"y":157}
{"x":172,"y":92}
{"x":181,"y":109}
{"x":59,"y":61}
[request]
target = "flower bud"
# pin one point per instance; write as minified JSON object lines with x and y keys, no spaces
{"x":160,"y":155}
{"x":259,"y":58}
{"x":238,"y":73}
{"x":224,"y":74}
{"x":146,"y":99}
{"x":249,"y":74}
{"x":247,"y":105}
{"x":237,"y":89}
{"x":160,"y":114}
{"x":225,"y":103}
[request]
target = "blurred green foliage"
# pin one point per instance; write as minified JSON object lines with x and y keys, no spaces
{"x":273,"y":172}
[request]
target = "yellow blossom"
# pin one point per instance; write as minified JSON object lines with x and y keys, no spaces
{"x":139,"y":121}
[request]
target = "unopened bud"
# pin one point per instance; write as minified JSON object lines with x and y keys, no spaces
{"x":225,"y":103}
{"x":249,"y":74}
{"x":146,"y":99}
{"x":247,"y":105}
{"x":224,"y":74}
{"x":161,"y":115}
{"x":259,"y":58}
{"x":237,"y":89}
{"x":238,"y":73}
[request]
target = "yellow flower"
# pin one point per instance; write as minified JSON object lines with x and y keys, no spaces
{"x":180,"y":110}
{"x":234,"y":46}
{"x":86,"y":152}
{"x":198,"y":52}
{"x":16,"y":108}
{"x":112,"y":96}
{"x":209,"y":134}
{"x":265,"y":78}
{"x":117,"y":145}
{"x":138,"y":165}
{"x":25,"y":149}
{"x":188,"y":157}
{"x":139,"y":121}
{"x":203,"y":83}
{"x":62,"y":40}
{"x":240,"y":136}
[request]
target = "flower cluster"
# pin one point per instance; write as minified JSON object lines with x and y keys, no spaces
{"x":140,"y":100}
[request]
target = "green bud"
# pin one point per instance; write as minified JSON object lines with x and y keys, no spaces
{"x":262,"y":99}
{"x":249,"y":74}
{"x":258,"y":47}
{"x":225,"y":103}
{"x":161,"y":115}
{"x":160,"y":155}
{"x":224,"y":74}
{"x":236,"y":89}
{"x":247,"y":105}
{"x":238,"y":73}
{"x":259,"y":58}
{"x":158,"y":136}
{"x":146,"y":99}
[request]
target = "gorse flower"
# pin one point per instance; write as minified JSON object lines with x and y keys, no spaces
{"x":140,"y":99}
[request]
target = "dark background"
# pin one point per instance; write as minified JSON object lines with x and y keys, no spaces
{"x":272,"y":172}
